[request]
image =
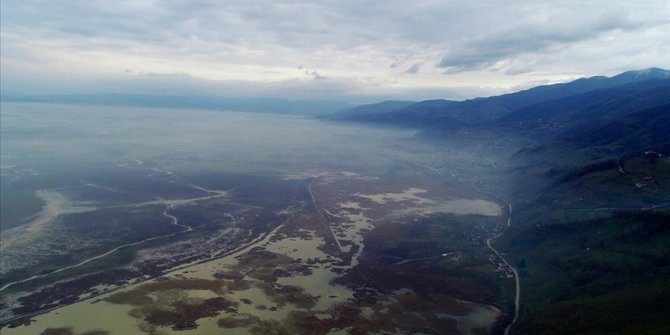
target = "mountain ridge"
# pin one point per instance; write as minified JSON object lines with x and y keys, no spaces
{"x":487,"y":109}
{"x":587,"y":173}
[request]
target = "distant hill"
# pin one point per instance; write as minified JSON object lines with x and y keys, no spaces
{"x":254,"y":104}
{"x":581,"y":111}
{"x":568,"y":129}
{"x":590,"y":186}
{"x":635,"y":132}
{"x":441,"y":113}
{"x":568,"y":125}
{"x":549,"y":92}
{"x":638,"y":131}
{"x":423,"y":114}
{"x":380,"y":107}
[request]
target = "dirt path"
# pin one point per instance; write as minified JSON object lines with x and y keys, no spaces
{"x":325,"y":222}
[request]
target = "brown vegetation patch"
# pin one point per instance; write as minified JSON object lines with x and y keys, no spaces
{"x":24,"y":321}
{"x":265,"y":266}
{"x":281,"y":295}
{"x":294,"y":295}
{"x":269,"y":327}
{"x":237,"y":321}
{"x":141,"y":295}
{"x":184,"y":315}
{"x":166,"y":303}
{"x":228,"y":275}
{"x":57,"y":331}
{"x":68,"y":331}
{"x":129,"y":298}
{"x":386,"y":318}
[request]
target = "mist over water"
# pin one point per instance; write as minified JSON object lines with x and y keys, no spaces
{"x":58,"y":159}
{"x":421,"y":177}
{"x":126,"y":152}
{"x":121,"y":149}
{"x":35,"y":136}
{"x":94,"y":180}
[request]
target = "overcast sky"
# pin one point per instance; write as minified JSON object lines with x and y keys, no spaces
{"x":343,"y":50}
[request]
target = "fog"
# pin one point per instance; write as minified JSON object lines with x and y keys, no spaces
{"x":89,"y":188}
{"x":180,"y":140}
{"x":66,"y":146}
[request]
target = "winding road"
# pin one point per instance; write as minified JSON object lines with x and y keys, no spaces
{"x":489,"y":244}
{"x":517,"y":295}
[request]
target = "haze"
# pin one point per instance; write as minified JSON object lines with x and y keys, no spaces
{"x":334,"y":167}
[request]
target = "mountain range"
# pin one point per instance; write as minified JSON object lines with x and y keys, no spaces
{"x":628,"y":111}
{"x":588,"y":178}
{"x":594,"y":96}
{"x":590,"y":186}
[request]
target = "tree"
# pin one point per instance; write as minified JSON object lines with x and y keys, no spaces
{"x":522,"y":264}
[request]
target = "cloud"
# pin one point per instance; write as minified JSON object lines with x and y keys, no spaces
{"x":317,"y":75}
{"x":537,"y":35}
{"x":343,"y":44}
{"x":414,"y":69}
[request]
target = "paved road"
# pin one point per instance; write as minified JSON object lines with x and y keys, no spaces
{"x":517,"y":295}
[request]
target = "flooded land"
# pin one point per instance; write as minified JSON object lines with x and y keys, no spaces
{"x":201,"y":222}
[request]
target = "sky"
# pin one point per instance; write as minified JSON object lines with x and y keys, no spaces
{"x":355,"y":51}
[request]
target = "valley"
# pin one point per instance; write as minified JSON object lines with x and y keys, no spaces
{"x":184,"y":244}
{"x":374,"y":221}
{"x":319,"y":269}
{"x":334,"y":167}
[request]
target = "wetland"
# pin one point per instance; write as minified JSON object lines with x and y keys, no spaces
{"x":160,"y":221}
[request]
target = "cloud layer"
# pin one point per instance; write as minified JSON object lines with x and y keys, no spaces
{"x":340,"y":49}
